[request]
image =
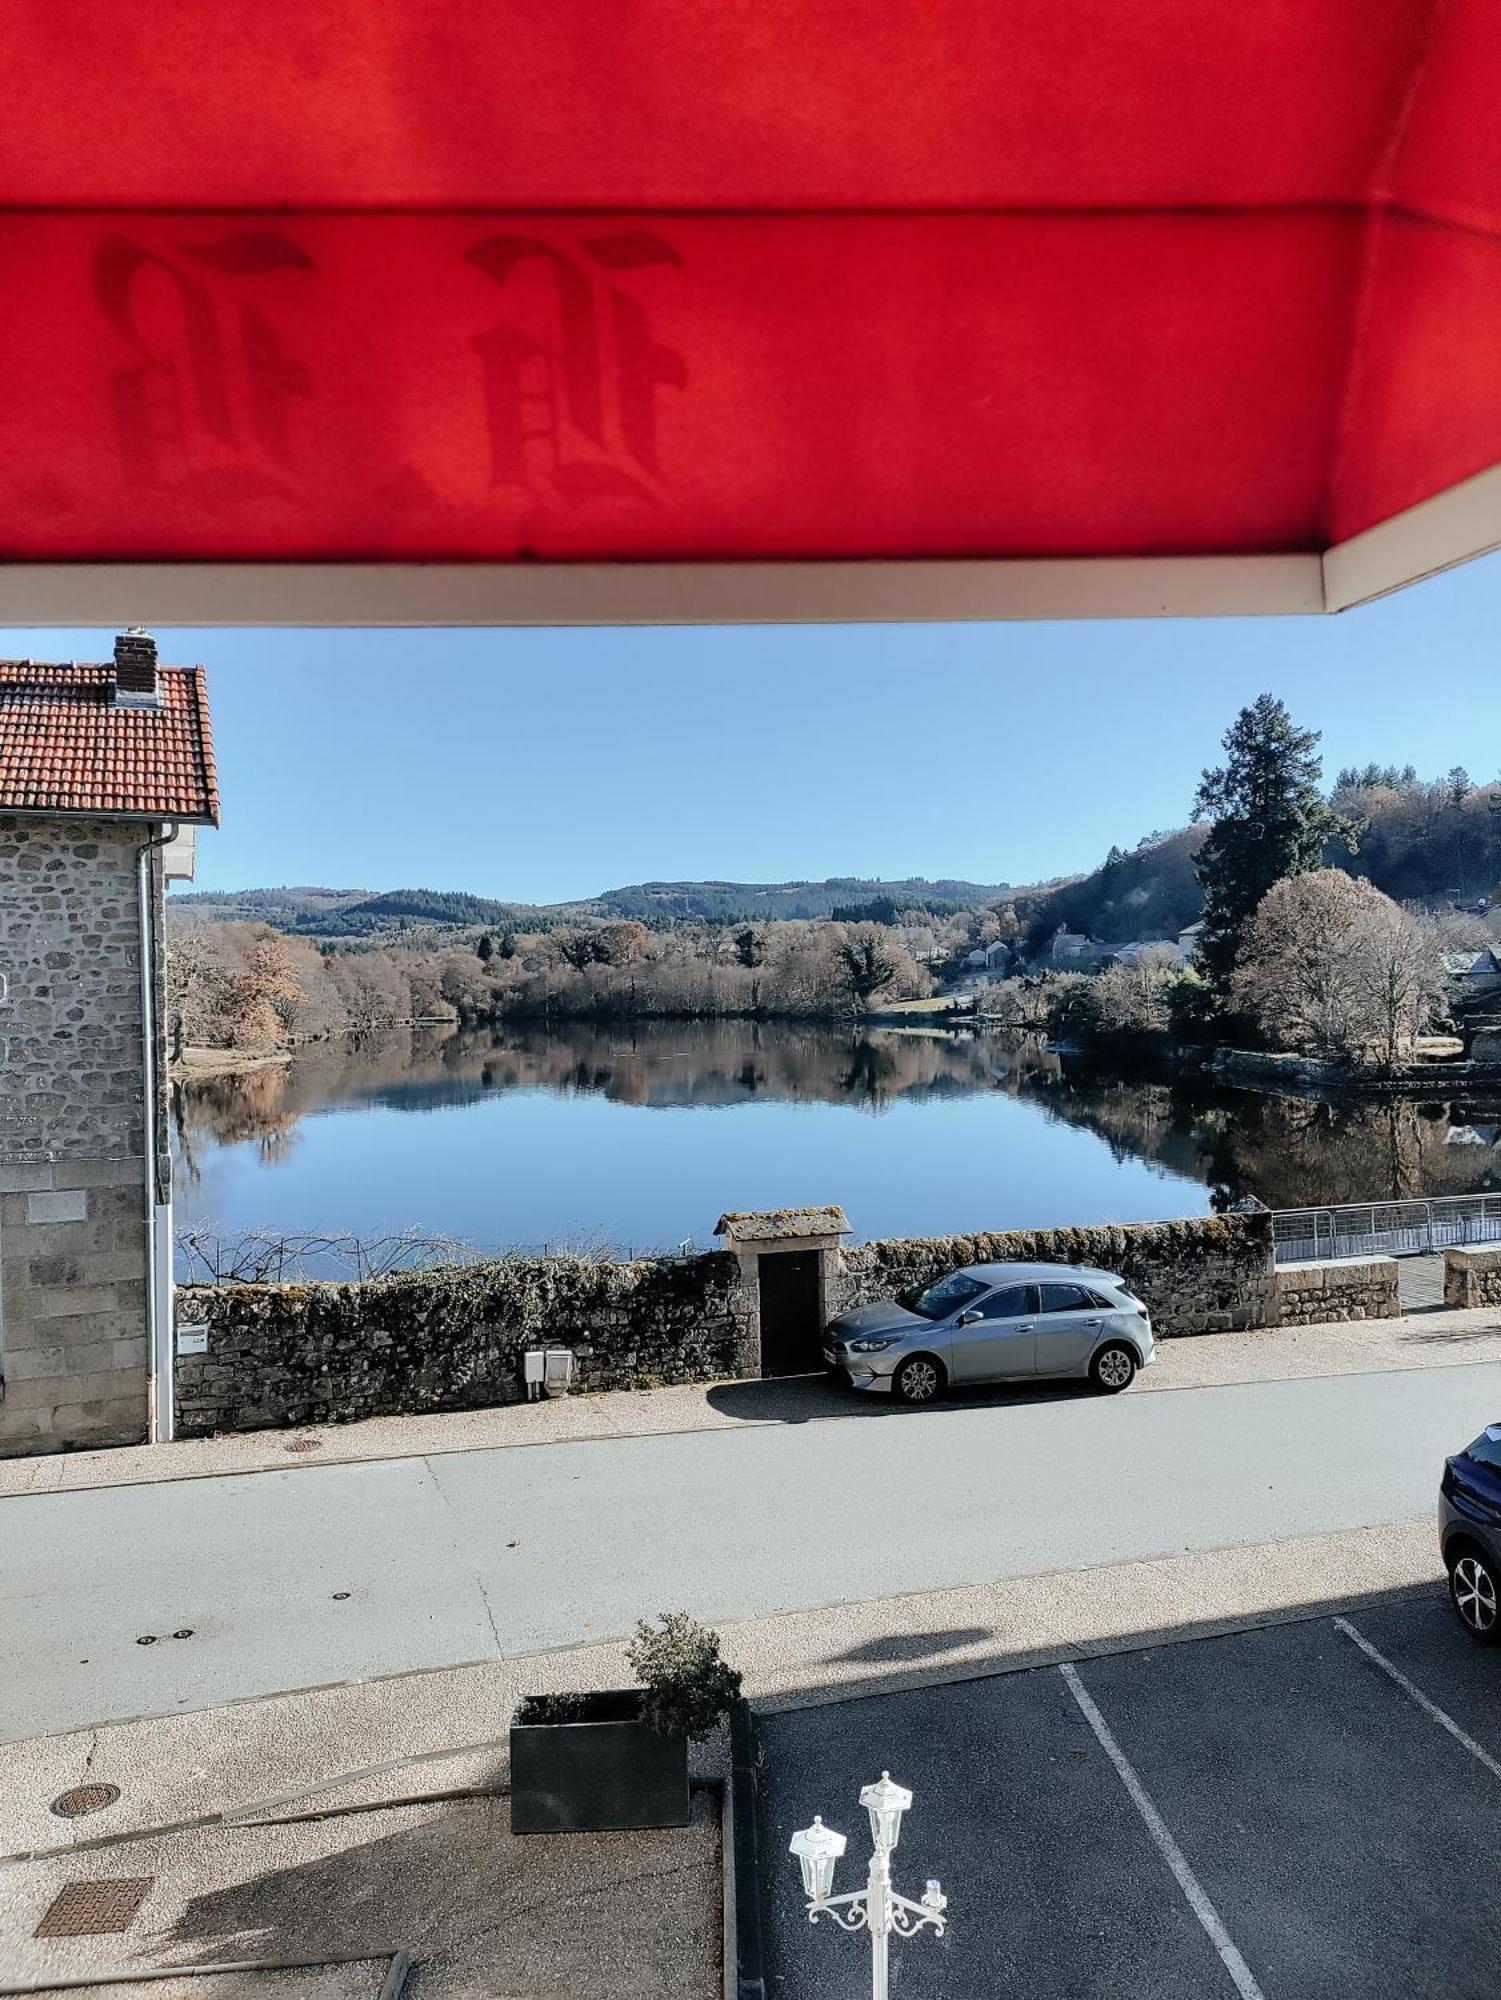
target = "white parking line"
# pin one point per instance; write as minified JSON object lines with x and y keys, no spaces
{"x":1416,"y":1694}
{"x":1167,"y":1847}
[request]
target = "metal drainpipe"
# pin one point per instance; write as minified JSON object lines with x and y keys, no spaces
{"x":158,"y":1193}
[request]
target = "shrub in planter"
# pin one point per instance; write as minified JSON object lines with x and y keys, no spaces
{"x":618,"y":1758}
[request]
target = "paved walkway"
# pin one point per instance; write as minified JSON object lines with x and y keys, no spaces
{"x":1420,"y":1283}
{"x":291,"y":1578}
{"x":1213,"y":1360}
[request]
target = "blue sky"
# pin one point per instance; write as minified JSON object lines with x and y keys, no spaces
{"x":544,"y":765}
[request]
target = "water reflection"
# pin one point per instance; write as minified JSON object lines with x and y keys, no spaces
{"x":969,"y":1132}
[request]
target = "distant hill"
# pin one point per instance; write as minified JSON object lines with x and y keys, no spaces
{"x":1151,"y":892}
{"x":737,"y":902}
{"x":1436,"y":842}
{"x":314,"y":912}
{"x":283,"y":909}
{"x":355,"y":913}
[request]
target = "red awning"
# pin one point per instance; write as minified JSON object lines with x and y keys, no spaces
{"x":730,"y":281}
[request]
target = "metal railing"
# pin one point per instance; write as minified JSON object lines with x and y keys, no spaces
{"x":1385,"y":1228}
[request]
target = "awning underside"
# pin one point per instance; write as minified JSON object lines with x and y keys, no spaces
{"x":743,"y":279}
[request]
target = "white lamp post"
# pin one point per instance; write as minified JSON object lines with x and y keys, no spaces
{"x":877,"y":1907}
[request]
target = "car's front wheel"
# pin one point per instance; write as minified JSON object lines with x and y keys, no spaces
{"x":1475,"y":1593}
{"x":1113,"y":1368}
{"x":920,"y":1379}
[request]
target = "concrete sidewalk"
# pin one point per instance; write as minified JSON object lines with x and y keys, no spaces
{"x":409,"y":1736}
{"x":1421,"y":1340}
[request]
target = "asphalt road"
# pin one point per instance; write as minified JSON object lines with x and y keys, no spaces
{"x":322,"y":1573}
{"x":1339,"y":1840}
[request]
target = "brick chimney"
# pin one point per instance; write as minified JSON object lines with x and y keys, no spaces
{"x":136,"y":683}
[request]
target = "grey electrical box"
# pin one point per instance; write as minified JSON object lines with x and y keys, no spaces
{"x":192,"y":1340}
{"x":559,"y":1369}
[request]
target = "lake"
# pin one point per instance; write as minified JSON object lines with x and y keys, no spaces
{"x":638,"y":1138}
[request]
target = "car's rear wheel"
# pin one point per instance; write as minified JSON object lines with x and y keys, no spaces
{"x":1475,"y":1593}
{"x":920,"y":1379}
{"x":1112,"y":1368}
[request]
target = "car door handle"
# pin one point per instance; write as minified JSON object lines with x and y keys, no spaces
{"x":1091,"y":1322}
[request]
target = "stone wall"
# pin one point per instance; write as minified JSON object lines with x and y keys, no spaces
{"x":1203,"y":1275}
{"x":1341,"y":1288}
{"x":1473,"y":1277}
{"x":73,"y":1239}
{"x":453,"y":1340}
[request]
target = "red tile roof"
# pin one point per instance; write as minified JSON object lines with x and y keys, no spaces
{"x":65,"y":748}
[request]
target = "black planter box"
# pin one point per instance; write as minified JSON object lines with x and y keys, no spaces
{"x":604,"y":1772}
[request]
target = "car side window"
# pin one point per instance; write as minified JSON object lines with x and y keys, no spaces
{"x":1065,"y":1299}
{"x":1011,"y":1302}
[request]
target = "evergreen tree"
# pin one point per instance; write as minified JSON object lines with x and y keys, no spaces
{"x":1268,"y":820}
{"x":868,"y":966}
{"x":484,"y":951}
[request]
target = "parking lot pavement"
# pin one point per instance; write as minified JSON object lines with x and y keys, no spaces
{"x":1305,"y":1812}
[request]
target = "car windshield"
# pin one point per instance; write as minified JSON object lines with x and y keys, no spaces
{"x":947,"y":1296}
{"x":1486,"y":1450}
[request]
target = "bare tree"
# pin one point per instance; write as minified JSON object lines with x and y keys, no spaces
{"x":1331,"y":966}
{"x":1402,"y":962}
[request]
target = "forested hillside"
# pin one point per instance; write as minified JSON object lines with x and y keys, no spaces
{"x":351,"y":913}
{"x":1432,"y":841}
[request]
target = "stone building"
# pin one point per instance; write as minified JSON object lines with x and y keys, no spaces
{"x":105,"y":773}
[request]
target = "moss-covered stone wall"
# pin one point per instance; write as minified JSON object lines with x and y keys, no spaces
{"x":454,"y":1339}
{"x":1207,"y":1274}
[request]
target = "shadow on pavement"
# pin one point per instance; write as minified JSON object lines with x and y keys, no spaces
{"x":1458,"y":1336}
{"x":806,"y":1399}
{"x":915,"y":1645}
{"x":939,"y":1659}
{"x":469,"y":1900}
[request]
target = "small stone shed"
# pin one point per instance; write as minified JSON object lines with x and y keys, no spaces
{"x":105,"y":771}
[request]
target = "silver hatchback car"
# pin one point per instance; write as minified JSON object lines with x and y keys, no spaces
{"x":995,"y":1323}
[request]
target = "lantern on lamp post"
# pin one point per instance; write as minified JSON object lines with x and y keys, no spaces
{"x":877,"y":1908}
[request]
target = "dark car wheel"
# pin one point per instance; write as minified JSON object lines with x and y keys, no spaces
{"x":1113,"y":1368}
{"x":1475,"y":1594}
{"x":920,"y":1379}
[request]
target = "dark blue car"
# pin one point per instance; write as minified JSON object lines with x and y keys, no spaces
{"x":1469,"y":1531}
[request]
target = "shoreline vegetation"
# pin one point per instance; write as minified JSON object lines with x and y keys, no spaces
{"x":1285,"y":927}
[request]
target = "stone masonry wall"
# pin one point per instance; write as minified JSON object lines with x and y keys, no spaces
{"x":1203,"y":1275}
{"x":73,"y":1242}
{"x":1342,"y":1288}
{"x":452,"y":1339}
{"x":1473,"y":1277}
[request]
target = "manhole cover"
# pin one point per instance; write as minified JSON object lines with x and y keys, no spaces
{"x":85,"y":1799}
{"x":94,"y":1909}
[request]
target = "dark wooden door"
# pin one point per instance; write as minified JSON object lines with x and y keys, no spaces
{"x":790,"y":1322}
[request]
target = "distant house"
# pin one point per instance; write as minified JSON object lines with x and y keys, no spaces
{"x":105,"y":773}
{"x":1473,"y":972}
{"x":1128,"y":954}
{"x":993,"y":957}
{"x":1072,"y":951}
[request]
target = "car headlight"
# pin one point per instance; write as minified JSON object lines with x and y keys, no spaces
{"x":875,"y":1343}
